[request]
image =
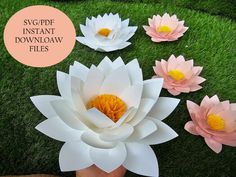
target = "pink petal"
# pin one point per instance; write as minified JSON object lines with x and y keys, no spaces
{"x":226,"y":105}
{"x":197,"y":70}
{"x":216,"y":109}
{"x":151,"y":22}
{"x":167,"y":84}
{"x":179,"y":28}
{"x":183,"y":89}
{"x":203,"y":133}
{"x":205,"y":102}
{"x":165,"y":18}
{"x":183,"y":29}
{"x":198,"y":80}
{"x":198,"y":117}
{"x":157,"y":20}
{"x":164,"y":65}
{"x":154,"y":39}
{"x":230,"y":120}
{"x":180,"y":59}
{"x":190,"y":127}
{"x":146,"y":28}
{"x":192,"y":107}
{"x":195,"y":88}
{"x":233,"y":106}
{"x":176,"y":36}
{"x":158,"y":69}
{"x":215,"y":100}
{"x":185,"y":66}
{"x":172,"y":63}
{"x":173,"y":92}
{"x":174,"y":18}
{"x":172,"y":24}
{"x":214,"y":145}
{"x":230,"y":136}
{"x":226,"y":141}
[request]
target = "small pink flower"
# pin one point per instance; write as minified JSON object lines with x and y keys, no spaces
{"x":213,"y":120}
{"x":179,"y":75}
{"x":165,"y":28}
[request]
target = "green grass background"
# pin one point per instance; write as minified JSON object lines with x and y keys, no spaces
{"x":210,"y":41}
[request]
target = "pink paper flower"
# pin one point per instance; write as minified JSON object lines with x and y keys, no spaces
{"x":213,"y":120}
{"x":179,"y":75}
{"x":165,"y":28}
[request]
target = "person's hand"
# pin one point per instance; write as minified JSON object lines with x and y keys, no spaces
{"x":94,"y":171}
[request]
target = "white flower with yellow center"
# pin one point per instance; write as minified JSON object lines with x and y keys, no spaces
{"x":107,"y":116}
{"x":106,"y":33}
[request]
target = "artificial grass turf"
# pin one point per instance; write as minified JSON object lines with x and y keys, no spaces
{"x":225,"y":8}
{"x":210,"y":41}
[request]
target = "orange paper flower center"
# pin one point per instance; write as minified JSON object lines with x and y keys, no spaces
{"x":164,"y":29}
{"x":112,"y":106}
{"x":216,"y":122}
{"x":176,"y":75}
{"x":104,"y":32}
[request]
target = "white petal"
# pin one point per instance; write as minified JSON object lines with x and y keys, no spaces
{"x":92,"y":84}
{"x":143,"y":129}
{"x":117,"y":134}
{"x":64,"y":85}
{"x":124,"y":117}
{"x":67,"y":115}
{"x":144,"y":108}
{"x":79,"y":70}
{"x":74,"y":156}
{"x":163,"y":107}
{"x":94,"y":140}
{"x":163,"y":134}
{"x":122,"y":45}
{"x":88,"y":42}
{"x":125,"y":23}
{"x":132,"y":29}
{"x":132,"y":95}
{"x":116,"y":82}
{"x":89,"y":23}
{"x":55,"y":128}
{"x":76,"y":83}
{"x":42,"y":103}
{"x":126,"y":33}
{"x":118,"y":46}
{"x":76,"y":94}
{"x":152,"y":88}
{"x":135,"y":73}
{"x":118,"y":63}
{"x":105,"y":66}
{"x":108,"y":159}
{"x":99,"y":119}
{"x":86,"y":31}
{"x":126,"y":38}
{"x":141,"y":160}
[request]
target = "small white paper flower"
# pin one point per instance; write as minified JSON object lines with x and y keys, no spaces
{"x":107,"y":116}
{"x":107,"y":33}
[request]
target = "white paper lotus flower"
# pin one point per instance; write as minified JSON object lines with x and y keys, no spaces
{"x":107,"y":116}
{"x":107,"y":33}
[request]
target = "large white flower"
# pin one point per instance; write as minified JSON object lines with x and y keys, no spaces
{"x":107,"y":33}
{"x":107,"y":116}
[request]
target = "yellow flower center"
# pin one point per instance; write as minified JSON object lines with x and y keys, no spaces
{"x":104,"y":32}
{"x":112,"y":106}
{"x":164,"y":29}
{"x":215,"y":122}
{"x":176,"y":75}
